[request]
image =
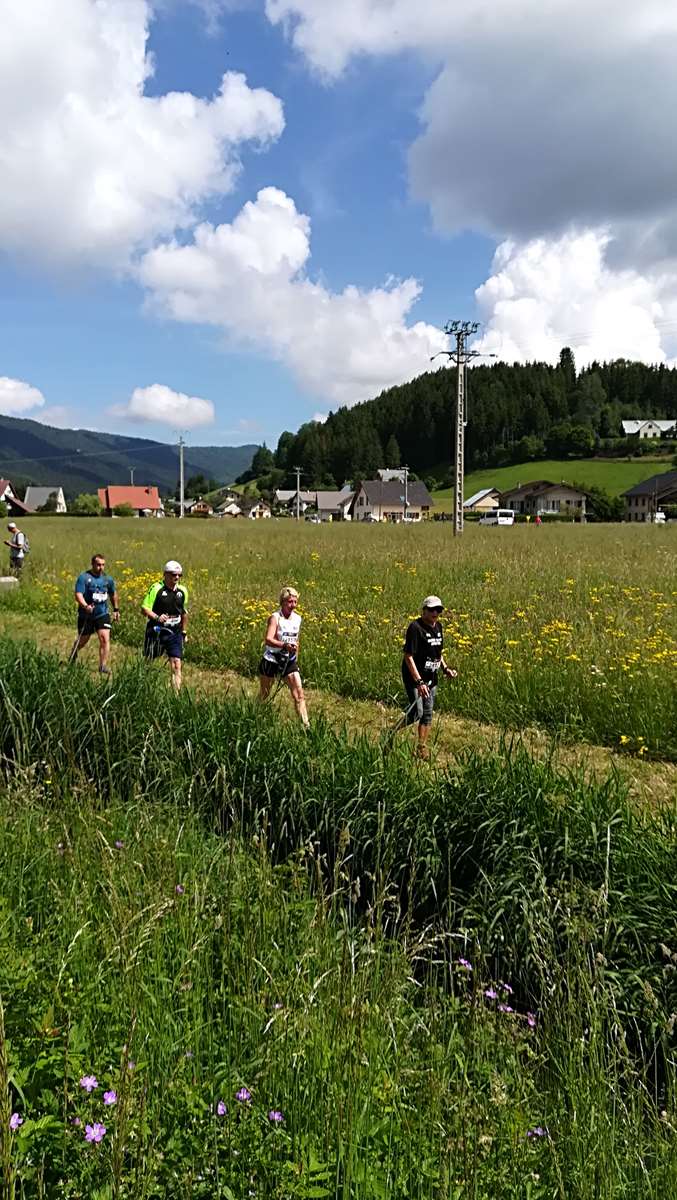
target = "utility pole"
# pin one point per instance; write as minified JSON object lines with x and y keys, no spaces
{"x":131,"y":476}
{"x":298,"y":493}
{"x":461,"y":331}
{"x":181,"y":496}
{"x":406,"y":491}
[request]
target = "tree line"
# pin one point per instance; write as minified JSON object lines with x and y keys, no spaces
{"x":515,"y":413}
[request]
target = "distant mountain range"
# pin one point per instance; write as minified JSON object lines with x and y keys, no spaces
{"x":82,"y":460}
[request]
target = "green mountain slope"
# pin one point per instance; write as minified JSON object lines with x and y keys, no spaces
{"x":82,"y":460}
{"x":614,"y":475}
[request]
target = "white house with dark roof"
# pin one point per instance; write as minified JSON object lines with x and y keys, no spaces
{"x":36,"y":497}
{"x":334,"y":506}
{"x":649,"y":427}
{"x":644,"y":500}
{"x":379,"y":500}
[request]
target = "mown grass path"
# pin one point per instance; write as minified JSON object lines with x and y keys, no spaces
{"x":649,"y":781}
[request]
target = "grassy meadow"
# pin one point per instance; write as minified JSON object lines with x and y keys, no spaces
{"x":238,"y":960}
{"x":573,"y":629}
{"x":234,"y":964}
{"x":615,"y":475}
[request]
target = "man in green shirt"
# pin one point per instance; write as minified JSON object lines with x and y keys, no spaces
{"x":166,"y":607}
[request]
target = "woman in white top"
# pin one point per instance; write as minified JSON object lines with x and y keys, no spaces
{"x":280,"y":653}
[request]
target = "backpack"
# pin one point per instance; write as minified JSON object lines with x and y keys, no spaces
{"x":26,"y":546}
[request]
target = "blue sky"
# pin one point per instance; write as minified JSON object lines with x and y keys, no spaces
{"x":235,"y":265}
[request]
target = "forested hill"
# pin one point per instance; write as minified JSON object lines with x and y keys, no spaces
{"x":82,"y":460}
{"x":515,"y":413}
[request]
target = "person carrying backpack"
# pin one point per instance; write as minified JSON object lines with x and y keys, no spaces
{"x":18,"y":548}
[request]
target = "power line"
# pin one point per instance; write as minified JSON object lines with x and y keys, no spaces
{"x":78,"y":454}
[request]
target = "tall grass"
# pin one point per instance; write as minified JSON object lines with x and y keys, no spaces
{"x":171,"y":871}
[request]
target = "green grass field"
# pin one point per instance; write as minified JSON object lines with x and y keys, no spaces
{"x":240,"y":960}
{"x":614,"y":475}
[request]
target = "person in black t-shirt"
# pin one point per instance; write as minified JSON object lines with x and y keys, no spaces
{"x":423,"y":660}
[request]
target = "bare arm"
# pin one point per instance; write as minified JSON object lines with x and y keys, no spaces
{"x":82,"y":603}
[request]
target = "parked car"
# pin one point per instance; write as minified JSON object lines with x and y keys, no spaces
{"x":314,"y":518}
{"x":500,"y":516}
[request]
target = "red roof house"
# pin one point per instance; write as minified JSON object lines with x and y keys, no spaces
{"x":144,"y":500}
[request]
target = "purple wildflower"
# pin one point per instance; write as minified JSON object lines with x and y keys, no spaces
{"x":119,"y":845}
{"x":243,"y":1095}
{"x":275,"y":1116}
{"x":463,"y":962}
{"x":110,"y":1098}
{"x":491,"y":993}
{"x":77,"y":1122}
{"x":505,"y":1008}
{"x":95,"y":1132}
{"x":89,"y":1082}
{"x":130,"y":1064}
{"x":505,"y":987}
{"x":188,"y":1054}
{"x":179,"y":889}
{"x":537,"y":1132}
{"x":15,"y":1121}
{"x":531,"y":1020}
{"x":278,"y":1006}
{"x":221,"y":1109}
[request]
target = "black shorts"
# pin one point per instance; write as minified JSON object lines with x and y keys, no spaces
{"x":88,"y":624}
{"x":275,"y":670}
{"x":163,"y":639}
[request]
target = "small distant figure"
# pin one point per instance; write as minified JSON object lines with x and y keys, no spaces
{"x":166,"y":607}
{"x":538,"y":520}
{"x":93,"y":589}
{"x":528,"y":518}
{"x":281,"y":652}
{"x":17,"y":548}
{"x":423,"y":659}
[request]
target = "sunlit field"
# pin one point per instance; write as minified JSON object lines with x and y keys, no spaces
{"x":567,"y":627}
{"x":240,"y":960}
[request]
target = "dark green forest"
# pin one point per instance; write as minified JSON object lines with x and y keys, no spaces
{"x":515,"y":413}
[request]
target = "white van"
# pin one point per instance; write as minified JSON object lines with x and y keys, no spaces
{"x":500,"y":516}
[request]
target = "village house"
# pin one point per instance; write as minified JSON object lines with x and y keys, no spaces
{"x":334,"y":506}
{"x":198,"y":508}
{"x":484,"y":501}
{"x":253,"y":508}
{"x":145,"y":501}
{"x":286,"y":498}
{"x":541,"y":498}
{"x":15,"y":507}
{"x":651,"y":427}
{"x":645,"y":499}
{"x":376,"y":500}
{"x":36,"y":497}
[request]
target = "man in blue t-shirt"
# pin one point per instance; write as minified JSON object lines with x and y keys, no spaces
{"x":93,"y":588}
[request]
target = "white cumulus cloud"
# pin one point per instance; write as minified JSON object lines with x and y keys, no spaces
{"x":93,"y":167}
{"x":249,"y":278}
{"x":18,"y":397}
{"x":543,"y":295}
{"x":161,"y":404}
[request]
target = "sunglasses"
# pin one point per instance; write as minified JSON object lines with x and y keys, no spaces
{"x":437,"y":608}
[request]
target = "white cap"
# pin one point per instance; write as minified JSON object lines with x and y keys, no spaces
{"x":11,"y":525}
{"x":173,"y":568}
{"x":432,"y":602}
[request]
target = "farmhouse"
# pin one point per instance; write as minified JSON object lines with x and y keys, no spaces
{"x":643,"y":501}
{"x":36,"y":497}
{"x":334,"y":506}
{"x":198,"y":508}
{"x":254,"y":509}
{"x":286,"y":498}
{"x":376,"y":500}
{"x":542,"y":498}
{"x":145,"y":501}
{"x":484,"y":501}
{"x":650,"y":427}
